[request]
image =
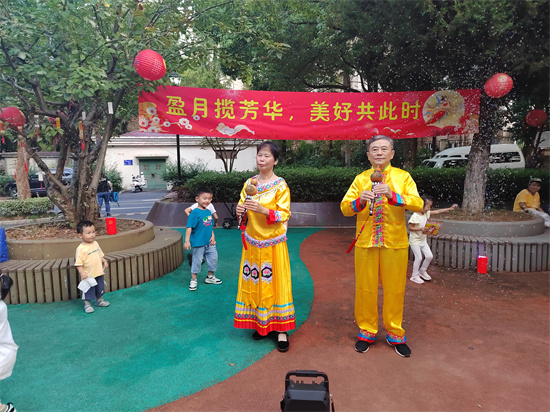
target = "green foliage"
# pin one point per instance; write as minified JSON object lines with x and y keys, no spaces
{"x":422,"y":154}
{"x":225,"y":186}
{"x":114,"y":176}
{"x":447,"y":185}
{"x":318,"y":185}
{"x":4,"y":180}
{"x":70,"y":59}
{"x":25,"y":207}
{"x":188,"y":171}
{"x":308,"y":184}
{"x":444,"y":185}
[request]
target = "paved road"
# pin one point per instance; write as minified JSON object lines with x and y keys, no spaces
{"x":136,"y":205}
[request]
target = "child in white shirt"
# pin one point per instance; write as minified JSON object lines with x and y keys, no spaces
{"x":8,"y":348}
{"x":418,"y":239}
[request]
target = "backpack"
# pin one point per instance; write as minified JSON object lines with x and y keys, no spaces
{"x":103,"y":186}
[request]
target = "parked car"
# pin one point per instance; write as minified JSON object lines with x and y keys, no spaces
{"x":67,"y":175}
{"x":37,"y":185}
{"x":503,"y":156}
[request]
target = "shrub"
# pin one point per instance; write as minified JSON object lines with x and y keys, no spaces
{"x":4,"y":180}
{"x":25,"y":207}
{"x":308,"y":184}
{"x":114,"y":176}
{"x":188,"y":171}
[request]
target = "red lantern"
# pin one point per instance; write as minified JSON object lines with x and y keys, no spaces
{"x":150,"y":65}
{"x":14,"y":116}
{"x":499,"y":85}
{"x":536,"y":118}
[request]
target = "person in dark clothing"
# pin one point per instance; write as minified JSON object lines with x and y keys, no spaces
{"x":103,"y":191}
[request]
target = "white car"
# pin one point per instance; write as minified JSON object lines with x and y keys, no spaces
{"x":503,"y":156}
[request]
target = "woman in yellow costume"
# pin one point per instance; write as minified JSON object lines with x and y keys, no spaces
{"x":382,"y":245}
{"x":264,"y":297}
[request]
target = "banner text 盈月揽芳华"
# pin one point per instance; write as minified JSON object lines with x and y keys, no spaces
{"x":248,"y":114}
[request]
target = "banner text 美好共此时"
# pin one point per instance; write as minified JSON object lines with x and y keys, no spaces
{"x":252,"y":114}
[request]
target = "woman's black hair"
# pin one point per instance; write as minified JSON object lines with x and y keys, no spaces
{"x":5,"y":285}
{"x":273,"y":148}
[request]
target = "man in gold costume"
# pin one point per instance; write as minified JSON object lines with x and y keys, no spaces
{"x":381,"y":247}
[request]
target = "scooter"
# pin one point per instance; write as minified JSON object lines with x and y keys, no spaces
{"x":139,"y":183}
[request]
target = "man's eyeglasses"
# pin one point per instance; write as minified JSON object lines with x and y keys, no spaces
{"x":380,"y":149}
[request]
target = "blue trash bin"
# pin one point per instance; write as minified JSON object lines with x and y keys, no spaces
{"x":3,"y":246}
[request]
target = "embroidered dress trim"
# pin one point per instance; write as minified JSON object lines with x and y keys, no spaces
{"x":378,"y":229}
{"x":396,"y":200}
{"x":251,"y":272}
{"x":274,"y":217}
{"x":264,"y":243}
{"x":356,"y":205}
{"x":378,"y":221}
{"x":267,"y":186}
{"x":277,"y":318}
{"x":367,"y":336}
{"x":394,"y":339}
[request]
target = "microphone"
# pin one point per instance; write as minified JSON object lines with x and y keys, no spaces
{"x":376,"y":178}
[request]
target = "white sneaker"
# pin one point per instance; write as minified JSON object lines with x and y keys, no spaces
{"x":213,"y":280}
{"x":193,"y":284}
{"x":425,"y":276}
{"x":417,"y":279}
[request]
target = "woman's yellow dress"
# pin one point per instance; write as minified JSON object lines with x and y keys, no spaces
{"x":264,"y":298}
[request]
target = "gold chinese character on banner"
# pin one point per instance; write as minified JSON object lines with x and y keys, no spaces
{"x":273,"y":109}
{"x":224,"y":109}
{"x":175,"y":106}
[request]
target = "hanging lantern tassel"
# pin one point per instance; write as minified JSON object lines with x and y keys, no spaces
{"x":3,"y":131}
{"x":58,"y":127}
{"x":81,"y":134}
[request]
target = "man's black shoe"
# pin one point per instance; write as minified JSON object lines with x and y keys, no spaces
{"x":401,"y":349}
{"x":362,"y":346}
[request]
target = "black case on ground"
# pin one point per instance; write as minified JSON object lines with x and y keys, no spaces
{"x":301,"y":396}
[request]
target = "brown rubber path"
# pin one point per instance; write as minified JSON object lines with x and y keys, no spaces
{"x":479,"y":343}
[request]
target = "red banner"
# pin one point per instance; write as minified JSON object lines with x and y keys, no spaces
{"x":308,"y":116}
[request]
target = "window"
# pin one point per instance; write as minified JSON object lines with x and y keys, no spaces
{"x":455,"y":163}
{"x":506,"y":157}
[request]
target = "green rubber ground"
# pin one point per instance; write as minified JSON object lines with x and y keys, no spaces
{"x":157,"y":342}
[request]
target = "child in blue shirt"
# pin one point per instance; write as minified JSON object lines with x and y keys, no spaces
{"x":199,"y":235}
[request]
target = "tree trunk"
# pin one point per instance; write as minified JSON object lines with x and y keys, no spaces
{"x":21,"y":172}
{"x":410,"y":153}
{"x":530,"y":152}
{"x":478,"y":162}
{"x":529,"y":145}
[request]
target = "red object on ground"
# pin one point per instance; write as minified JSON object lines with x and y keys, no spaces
{"x":14,"y":116}
{"x":482,"y":265}
{"x":536,"y":118}
{"x":499,"y":85}
{"x":111,"y":225}
{"x":150,"y":65}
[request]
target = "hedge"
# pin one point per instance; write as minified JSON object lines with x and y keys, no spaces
{"x":330,"y":184}
{"x":25,"y":207}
